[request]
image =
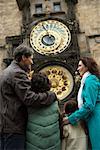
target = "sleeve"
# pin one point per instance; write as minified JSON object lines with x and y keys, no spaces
{"x":66,"y":134}
{"x":90,"y":97}
{"x":65,"y":131}
{"x":22,"y":87}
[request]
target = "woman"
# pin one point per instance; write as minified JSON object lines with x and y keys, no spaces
{"x":88,"y":100}
{"x":42,"y":131}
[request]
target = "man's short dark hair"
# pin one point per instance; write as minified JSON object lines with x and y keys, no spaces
{"x":22,"y":50}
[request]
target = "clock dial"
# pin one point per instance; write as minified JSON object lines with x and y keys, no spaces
{"x":48,"y":40}
{"x":50,"y":37}
{"x":61,"y":80}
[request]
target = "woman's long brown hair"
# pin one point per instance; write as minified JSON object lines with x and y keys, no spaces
{"x":92,"y":66}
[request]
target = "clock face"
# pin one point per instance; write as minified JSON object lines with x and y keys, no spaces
{"x":50,"y":37}
{"x":61,"y":80}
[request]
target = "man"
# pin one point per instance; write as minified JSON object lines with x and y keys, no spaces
{"x":15,"y":97}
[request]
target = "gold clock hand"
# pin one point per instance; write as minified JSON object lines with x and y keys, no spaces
{"x":46,"y":30}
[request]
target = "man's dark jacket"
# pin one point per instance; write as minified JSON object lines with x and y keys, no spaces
{"x":16,"y":96}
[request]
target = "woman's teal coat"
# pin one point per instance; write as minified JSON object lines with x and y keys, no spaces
{"x":90,"y":111}
{"x":43,"y":129}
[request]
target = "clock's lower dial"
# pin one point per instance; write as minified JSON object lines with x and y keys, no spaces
{"x":61,"y":80}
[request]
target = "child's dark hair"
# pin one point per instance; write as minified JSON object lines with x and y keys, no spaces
{"x":40,"y":82}
{"x":70,"y":106}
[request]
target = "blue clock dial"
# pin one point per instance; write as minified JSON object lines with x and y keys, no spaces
{"x":50,"y":37}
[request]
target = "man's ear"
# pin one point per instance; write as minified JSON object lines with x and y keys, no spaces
{"x":23,"y":58}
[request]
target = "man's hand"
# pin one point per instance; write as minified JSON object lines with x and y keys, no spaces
{"x":51,"y":97}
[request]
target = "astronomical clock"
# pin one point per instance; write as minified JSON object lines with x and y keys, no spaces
{"x":49,"y":38}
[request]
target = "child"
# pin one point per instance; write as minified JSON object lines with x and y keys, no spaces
{"x":43,"y":131}
{"x":74,"y":136}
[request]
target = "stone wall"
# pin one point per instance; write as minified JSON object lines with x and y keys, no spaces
{"x":87,"y":14}
{"x":10,"y":24}
{"x":10,"y":18}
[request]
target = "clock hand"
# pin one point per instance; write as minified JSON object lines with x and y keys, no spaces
{"x":46,"y":30}
{"x":50,"y":36}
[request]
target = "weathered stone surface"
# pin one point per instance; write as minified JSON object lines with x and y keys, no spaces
{"x":10,"y":19}
{"x":10,"y":24}
{"x":95,"y":50}
{"x":88,"y":14}
{"x":3,"y":54}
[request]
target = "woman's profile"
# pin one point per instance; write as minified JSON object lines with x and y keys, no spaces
{"x":88,"y":100}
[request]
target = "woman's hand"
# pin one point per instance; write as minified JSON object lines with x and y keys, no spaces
{"x":65,"y":121}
